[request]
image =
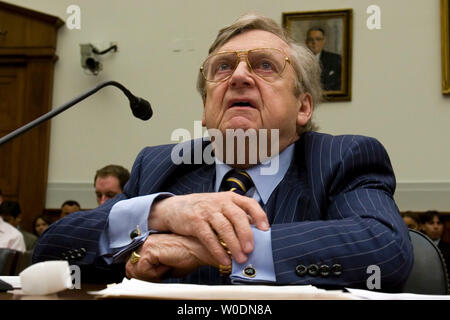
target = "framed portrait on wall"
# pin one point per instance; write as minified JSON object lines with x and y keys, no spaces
{"x":445,"y":46}
{"x":328,"y":34}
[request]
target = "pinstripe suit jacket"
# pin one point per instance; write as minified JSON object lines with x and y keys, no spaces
{"x":334,"y":207}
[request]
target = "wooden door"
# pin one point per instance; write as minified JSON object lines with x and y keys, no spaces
{"x":27,"y":57}
{"x":12,"y":94}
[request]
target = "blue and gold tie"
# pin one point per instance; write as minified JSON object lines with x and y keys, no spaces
{"x":237,"y":181}
{"x":240,"y":182}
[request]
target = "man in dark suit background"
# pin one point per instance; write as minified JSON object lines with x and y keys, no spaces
{"x":322,"y":217}
{"x":331,"y":63}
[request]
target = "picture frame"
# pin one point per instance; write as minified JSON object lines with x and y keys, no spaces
{"x":329,"y":34}
{"x":445,"y":46}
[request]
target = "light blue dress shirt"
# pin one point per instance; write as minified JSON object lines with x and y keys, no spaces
{"x":115,"y":242}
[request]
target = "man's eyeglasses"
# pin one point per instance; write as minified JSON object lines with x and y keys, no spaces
{"x":314,"y":39}
{"x":268,"y":63}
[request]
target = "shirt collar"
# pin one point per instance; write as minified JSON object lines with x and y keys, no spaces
{"x":264,"y":184}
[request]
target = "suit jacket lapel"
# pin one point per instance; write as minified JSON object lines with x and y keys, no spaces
{"x":186,"y":178}
{"x":290,"y":200}
{"x":198,"y":181}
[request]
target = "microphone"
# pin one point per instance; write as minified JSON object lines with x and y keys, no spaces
{"x":141,"y":109}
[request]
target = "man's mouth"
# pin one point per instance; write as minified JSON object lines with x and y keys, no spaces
{"x":242,"y":103}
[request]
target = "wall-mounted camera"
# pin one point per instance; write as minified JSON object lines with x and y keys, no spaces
{"x":90,"y":60}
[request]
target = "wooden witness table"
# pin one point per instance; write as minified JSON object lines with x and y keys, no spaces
{"x":70,"y":294}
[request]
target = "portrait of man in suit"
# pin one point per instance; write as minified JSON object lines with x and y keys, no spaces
{"x":322,"y":218}
{"x":328,"y":34}
{"x":330,"y":62}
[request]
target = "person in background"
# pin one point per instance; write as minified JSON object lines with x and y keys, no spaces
{"x":432,"y":225}
{"x":109,"y":181}
{"x":11,"y":213}
{"x":10,"y":237}
{"x":411,"y":220}
{"x":40,"y":224}
{"x":69,"y":207}
{"x":330,"y":63}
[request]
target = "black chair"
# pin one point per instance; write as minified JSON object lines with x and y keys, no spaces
{"x":23,"y":261}
{"x":429,"y":274}
{"x":8,"y":261}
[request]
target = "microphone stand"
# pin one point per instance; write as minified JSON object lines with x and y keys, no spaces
{"x":62,"y":108}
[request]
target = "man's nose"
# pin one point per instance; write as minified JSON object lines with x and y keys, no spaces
{"x":242,"y":74}
{"x":103,"y":199}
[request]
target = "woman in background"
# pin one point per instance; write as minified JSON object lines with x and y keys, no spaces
{"x":40,"y":224}
{"x":411,"y":220}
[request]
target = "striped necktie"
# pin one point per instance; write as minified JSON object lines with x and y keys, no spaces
{"x":237,"y":181}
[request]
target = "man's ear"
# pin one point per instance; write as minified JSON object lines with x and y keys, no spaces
{"x":204,"y":115}
{"x":305,"y":109}
{"x":203,"y":119}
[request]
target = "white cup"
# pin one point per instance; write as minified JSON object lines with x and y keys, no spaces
{"x":46,"y":278}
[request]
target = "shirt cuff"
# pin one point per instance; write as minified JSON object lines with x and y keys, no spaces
{"x":260,"y":260}
{"x":115,"y":241}
{"x":127,"y":215}
{"x":123,"y":253}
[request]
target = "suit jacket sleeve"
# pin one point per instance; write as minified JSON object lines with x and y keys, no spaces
{"x":76,"y":237}
{"x":352,"y":186}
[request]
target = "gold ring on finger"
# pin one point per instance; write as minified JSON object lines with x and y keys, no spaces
{"x":134,"y":258}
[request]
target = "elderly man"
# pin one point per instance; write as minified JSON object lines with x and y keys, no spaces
{"x":321,"y":218}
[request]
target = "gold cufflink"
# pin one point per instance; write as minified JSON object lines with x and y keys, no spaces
{"x":134,"y":258}
{"x":249,"y":271}
{"x":135,"y":233}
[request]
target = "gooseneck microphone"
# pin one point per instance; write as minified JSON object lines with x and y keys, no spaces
{"x":141,"y":109}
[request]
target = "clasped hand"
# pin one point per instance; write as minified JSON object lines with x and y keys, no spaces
{"x":196,"y":222}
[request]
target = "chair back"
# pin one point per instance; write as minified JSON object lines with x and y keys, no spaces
{"x":429,"y":274}
{"x":23,"y":261}
{"x":8,"y":261}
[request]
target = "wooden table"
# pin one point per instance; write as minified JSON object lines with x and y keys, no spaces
{"x":73,"y":294}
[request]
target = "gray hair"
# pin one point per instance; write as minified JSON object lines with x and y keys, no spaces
{"x":304,"y":62}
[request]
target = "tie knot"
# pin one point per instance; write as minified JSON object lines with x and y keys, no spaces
{"x":237,"y":181}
